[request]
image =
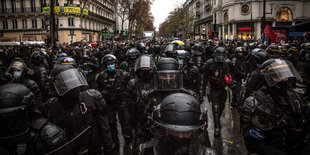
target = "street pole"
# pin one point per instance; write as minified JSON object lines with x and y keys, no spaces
{"x":53,"y":30}
{"x":251,"y":21}
{"x":263,"y":21}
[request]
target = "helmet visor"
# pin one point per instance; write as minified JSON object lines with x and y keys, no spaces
{"x":68,"y":80}
{"x":144,"y":62}
{"x":168,"y":80}
{"x":219,"y":57}
{"x":278,"y":71}
{"x":15,"y":122}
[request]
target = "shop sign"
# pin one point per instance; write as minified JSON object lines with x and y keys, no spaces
{"x":85,"y":11}
{"x":72,"y":9}
{"x":47,"y":9}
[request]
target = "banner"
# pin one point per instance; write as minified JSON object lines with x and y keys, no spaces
{"x":72,"y":9}
{"x":271,"y":35}
{"x":281,"y":35}
{"x":85,"y":11}
{"x":47,"y":9}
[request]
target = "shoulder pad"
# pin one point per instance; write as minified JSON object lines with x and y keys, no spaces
{"x":93,"y":93}
{"x":133,"y":81}
{"x":249,"y":103}
{"x":52,"y":135}
{"x":190,"y":92}
{"x":195,"y":69}
{"x":38,"y":123}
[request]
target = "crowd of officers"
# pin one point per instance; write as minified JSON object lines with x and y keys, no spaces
{"x":69,"y":100}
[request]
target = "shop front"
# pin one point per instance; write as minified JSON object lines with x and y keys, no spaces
{"x":245,"y":31}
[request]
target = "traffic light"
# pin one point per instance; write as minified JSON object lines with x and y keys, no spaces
{"x":47,"y":41}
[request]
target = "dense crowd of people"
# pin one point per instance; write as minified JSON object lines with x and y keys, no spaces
{"x":70,"y":98}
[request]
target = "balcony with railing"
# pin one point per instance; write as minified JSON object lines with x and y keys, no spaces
{"x":11,"y":11}
{"x":101,"y":4}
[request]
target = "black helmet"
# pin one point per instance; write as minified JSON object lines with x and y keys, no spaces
{"x":260,"y":56}
{"x":66,"y":78}
{"x":183,"y":54}
{"x":198,"y":50}
{"x":169,"y":50}
{"x":144,"y":66}
{"x":108,"y":59}
{"x":179,"y":112}
{"x":279,"y":71}
{"x":36,"y":57}
{"x":144,"y":61}
{"x":157,"y":49}
{"x":241,"y":50}
{"x":220,"y":54}
{"x":66,"y":61}
{"x":178,"y":121}
{"x":133,"y":52}
{"x":61,"y":55}
{"x":273,"y":49}
{"x":141,"y":47}
{"x":16,"y":101}
{"x":167,"y":75}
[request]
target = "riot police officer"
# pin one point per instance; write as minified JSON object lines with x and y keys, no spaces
{"x":131,"y":55}
{"x":191,"y":73}
{"x":81,"y":112}
{"x":111,"y":83}
{"x":24,"y":130}
{"x":40,"y":74}
{"x":217,"y":72}
{"x":169,"y":50}
{"x":275,"y":119}
{"x":239,"y":72}
{"x":167,"y":80}
{"x":135,"y":96}
{"x":18,"y":73}
{"x":198,"y":55}
{"x":178,"y":125}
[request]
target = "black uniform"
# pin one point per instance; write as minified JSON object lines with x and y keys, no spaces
{"x":80,"y":112}
{"x":217,"y":72}
{"x":275,"y":120}
{"x":112,"y":83}
{"x":25,"y":131}
{"x":178,"y":125}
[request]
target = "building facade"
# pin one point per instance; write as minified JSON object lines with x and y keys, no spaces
{"x":231,"y":19}
{"x":242,"y":18}
{"x":28,"y":20}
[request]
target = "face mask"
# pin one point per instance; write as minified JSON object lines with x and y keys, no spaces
{"x":86,"y":72}
{"x":17,"y":74}
{"x":111,"y":68}
{"x":180,"y":62}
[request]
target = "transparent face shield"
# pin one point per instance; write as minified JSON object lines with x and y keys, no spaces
{"x":219,"y":57}
{"x":144,"y":62}
{"x":168,"y":80}
{"x":176,"y":143}
{"x":15,"y":122}
{"x":68,"y":80}
{"x":280,"y":70}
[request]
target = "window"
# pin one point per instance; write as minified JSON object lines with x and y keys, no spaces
{"x":5,"y":24}
{"x":13,"y":6}
{"x":42,"y":22}
{"x":34,"y":23}
{"x":24,"y":23}
{"x":22,"y":5}
{"x":85,"y":24}
{"x":284,"y":14}
{"x":70,"y":21}
{"x":33,"y":5}
{"x":69,"y":1}
{"x":14,"y":22}
{"x":3,"y":6}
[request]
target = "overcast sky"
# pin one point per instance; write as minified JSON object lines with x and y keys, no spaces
{"x":161,"y":8}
